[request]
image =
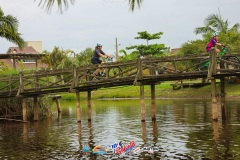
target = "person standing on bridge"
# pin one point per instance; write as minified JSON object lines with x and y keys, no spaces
{"x":213,"y":42}
{"x":96,"y":58}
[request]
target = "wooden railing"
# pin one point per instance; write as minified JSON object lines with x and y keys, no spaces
{"x":141,"y":71}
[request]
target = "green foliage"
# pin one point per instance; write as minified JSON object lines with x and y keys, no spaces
{"x":147,"y":36}
{"x":193,"y":47}
{"x":9,"y":29}
{"x":214,"y":22}
{"x":58,"y":58}
{"x":48,"y":4}
{"x":126,"y":57}
{"x":152,"y":49}
{"x":84,"y":57}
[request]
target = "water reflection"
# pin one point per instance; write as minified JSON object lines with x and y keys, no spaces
{"x":182,"y":130}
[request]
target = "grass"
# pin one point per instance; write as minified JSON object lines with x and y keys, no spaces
{"x":163,"y":90}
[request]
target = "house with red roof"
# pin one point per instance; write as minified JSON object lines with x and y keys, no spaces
{"x":26,"y":58}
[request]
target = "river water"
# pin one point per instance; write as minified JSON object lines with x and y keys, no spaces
{"x":183,"y":130}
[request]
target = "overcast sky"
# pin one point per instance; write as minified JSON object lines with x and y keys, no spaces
{"x":88,"y":22}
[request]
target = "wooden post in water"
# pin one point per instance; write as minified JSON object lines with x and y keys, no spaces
{"x":223,"y":102}
{"x":24,"y":109}
{"x":89,"y":105}
{"x":140,"y":77}
{"x":213,"y":71}
{"x":78,"y":106}
{"x":142,"y":103}
{"x":35,"y":109}
{"x":56,"y":98}
{"x":153,"y":99}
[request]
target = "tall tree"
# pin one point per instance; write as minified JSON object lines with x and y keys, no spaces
{"x":214,"y":22}
{"x":48,"y":4}
{"x":152,"y":49}
{"x":9,"y":29}
{"x":147,"y":36}
{"x":57,"y":59}
{"x":84,"y":57}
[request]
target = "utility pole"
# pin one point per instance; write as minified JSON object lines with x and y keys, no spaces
{"x":116,"y":50}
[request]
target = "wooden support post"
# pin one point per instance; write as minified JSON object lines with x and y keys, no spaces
{"x":24,"y":109}
{"x":25,"y":133}
{"x":35,"y":109}
{"x":214,"y":101}
{"x":89,"y":106}
{"x":36,"y":63}
{"x":215,"y":131}
{"x":57,"y":99}
{"x":78,"y":106}
{"x":212,"y":70}
{"x":58,"y":105}
{"x":21,"y":85}
{"x":223,"y":102}
{"x":14,"y":64}
{"x":139,"y":75}
{"x":153,"y":99}
{"x":144,"y":132}
{"x":142,"y":103}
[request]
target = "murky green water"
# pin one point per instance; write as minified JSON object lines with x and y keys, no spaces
{"x":183,"y":130}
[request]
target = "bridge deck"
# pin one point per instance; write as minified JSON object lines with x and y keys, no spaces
{"x":140,"y":72}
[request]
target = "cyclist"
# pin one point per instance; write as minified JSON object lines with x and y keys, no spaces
{"x":213,"y":42}
{"x":96,"y":58}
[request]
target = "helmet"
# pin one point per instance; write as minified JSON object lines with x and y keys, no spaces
{"x":99,"y":44}
{"x":215,"y":34}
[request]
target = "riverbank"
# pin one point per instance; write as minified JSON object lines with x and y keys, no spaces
{"x":163,"y":90}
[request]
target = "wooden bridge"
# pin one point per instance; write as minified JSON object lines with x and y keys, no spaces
{"x":143,"y":71}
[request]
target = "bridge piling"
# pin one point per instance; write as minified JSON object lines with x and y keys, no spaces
{"x":213,"y":71}
{"x":57,"y":99}
{"x":24,"y":109}
{"x":35,"y":108}
{"x":153,"y":99}
{"x":78,"y":106}
{"x":142,"y":103}
{"x":223,"y":102}
{"x":89,"y":93}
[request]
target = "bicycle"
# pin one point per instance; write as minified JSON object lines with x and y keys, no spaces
{"x":221,"y":56}
{"x":226,"y":65}
{"x":112,"y":72}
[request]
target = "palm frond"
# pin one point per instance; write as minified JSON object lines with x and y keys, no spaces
{"x":133,"y":3}
{"x":48,"y":4}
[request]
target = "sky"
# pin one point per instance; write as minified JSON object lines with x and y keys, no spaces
{"x":89,"y":22}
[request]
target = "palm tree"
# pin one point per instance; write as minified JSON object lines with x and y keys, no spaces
{"x":84,"y":57}
{"x":57,"y":59}
{"x":48,"y":4}
{"x":214,"y":22}
{"x":9,"y":29}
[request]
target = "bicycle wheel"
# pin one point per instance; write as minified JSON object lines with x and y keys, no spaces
{"x":115,"y":72}
{"x":232,"y":66}
{"x":85,"y":78}
{"x":203,"y":66}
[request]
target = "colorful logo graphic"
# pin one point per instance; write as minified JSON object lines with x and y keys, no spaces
{"x":120,"y":148}
{"x":136,"y":150}
{"x":151,"y":149}
{"x":86,"y":149}
{"x":99,"y":150}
